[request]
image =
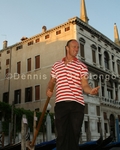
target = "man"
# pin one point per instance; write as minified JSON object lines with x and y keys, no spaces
{"x":71,"y":79}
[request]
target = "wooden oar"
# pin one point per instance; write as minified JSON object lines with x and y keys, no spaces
{"x":40,"y":120}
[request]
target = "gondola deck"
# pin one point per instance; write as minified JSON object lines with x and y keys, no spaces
{"x":99,"y":144}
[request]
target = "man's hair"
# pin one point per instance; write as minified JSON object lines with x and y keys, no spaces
{"x":68,"y":42}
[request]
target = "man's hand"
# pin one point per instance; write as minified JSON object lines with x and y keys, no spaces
{"x":49,"y":93}
{"x":86,"y":87}
{"x":94,"y":91}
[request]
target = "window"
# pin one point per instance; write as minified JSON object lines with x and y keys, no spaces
{"x":28,"y":94}
{"x":58,"y":32}
{"x":37,"y":62}
{"x":37,"y":92}
{"x":17,"y":96}
{"x":110,"y":89}
{"x":8,"y":52}
{"x":19,"y":67}
{"x":113,"y":63}
{"x":86,"y":108}
{"x":106,"y":60}
{"x":81,"y":29}
{"x":0,"y":54}
{"x":37,"y":40}
{"x":98,"y":110}
{"x":94,"y":48}
{"x":93,"y":56}
{"x":67,"y":29}
{"x":105,"y":128}
{"x":105,"y":115}
{"x":118,"y":66}
{"x":82,"y":50}
{"x":116,"y":95}
{"x":112,"y":57}
{"x":110,"y":95}
{"x":100,"y":59}
{"x":6,"y":97}
{"x":30,"y":43}
{"x":96,"y":83}
{"x":86,"y":126}
{"x":103,"y":91}
{"x":29,"y":64}
{"x":98,"y":126}
{"x":19,"y":47}
{"x":99,"y":56}
{"x":7,"y":73}
{"x":47,"y":36}
{"x":116,"y":85}
{"x":82,"y":43}
{"x":99,"y":49}
{"x":116,"y":91}
{"x":7,"y":61}
{"x":119,"y":118}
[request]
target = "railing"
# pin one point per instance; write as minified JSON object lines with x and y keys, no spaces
{"x":110,"y":102}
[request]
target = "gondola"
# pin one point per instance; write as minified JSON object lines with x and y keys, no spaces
{"x":99,"y":144}
{"x":16,"y":146}
{"x":92,"y":145}
{"x":112,"y":146}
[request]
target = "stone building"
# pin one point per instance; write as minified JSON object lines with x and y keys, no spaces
{"x":25,"y":71}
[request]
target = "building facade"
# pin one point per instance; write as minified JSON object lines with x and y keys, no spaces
{"x":25,"y":72}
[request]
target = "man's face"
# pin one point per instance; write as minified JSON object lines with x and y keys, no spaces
{"x":73,"y":48}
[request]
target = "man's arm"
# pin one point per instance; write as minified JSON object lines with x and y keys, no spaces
{"x":50,"y":87}
{"x":86,"y":87}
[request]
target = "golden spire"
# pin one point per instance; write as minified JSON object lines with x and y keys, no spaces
{"x":116,"y":35}
{"x":83,"y":13}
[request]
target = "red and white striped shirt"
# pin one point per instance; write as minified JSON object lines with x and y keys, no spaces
{"x":68,"y":80}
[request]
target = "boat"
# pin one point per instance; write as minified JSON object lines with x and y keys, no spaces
{"x":99,"y":144}
{"x":16,"y":146}
{"x":112,"y":146}
{"x":50,"y":145}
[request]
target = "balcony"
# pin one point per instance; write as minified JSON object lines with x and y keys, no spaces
{"x":110,"y":102}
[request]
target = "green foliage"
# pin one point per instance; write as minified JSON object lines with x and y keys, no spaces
{"x":19,"y":113}
{"x":5,"y":126}
{"x":5,"y":111}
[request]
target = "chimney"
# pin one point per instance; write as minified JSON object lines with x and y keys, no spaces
{"x":4,"y":44}
{"x":23,"y":38}
{"x":44,"y":28}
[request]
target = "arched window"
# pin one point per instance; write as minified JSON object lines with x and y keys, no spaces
{"x":118,"y":66}
{"x":112,"y":124}
{"x":113,"y":63}
{"x":99,"y":56}
{"x":110,"y":89}
{"x":106,"y":60}
{"x":94,"y":48}
{"x":82,"y":43}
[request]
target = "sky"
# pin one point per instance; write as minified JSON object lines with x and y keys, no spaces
{"x":20,"y":18}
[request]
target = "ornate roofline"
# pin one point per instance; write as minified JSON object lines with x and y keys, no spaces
{"x":94,"y":32}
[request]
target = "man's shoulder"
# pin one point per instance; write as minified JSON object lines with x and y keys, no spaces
{"x":59,"y":62}
{"x":80,"y":63}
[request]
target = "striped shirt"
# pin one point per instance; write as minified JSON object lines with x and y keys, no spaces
{"x":68,"y":80}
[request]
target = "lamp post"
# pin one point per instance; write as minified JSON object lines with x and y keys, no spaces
{"x":48,"y":124}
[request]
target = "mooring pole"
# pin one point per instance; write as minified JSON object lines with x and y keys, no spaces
{"x":23,"y":132}
{"x":41,"y":118}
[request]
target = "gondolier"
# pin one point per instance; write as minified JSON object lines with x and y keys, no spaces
{"x":71,"y":78}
